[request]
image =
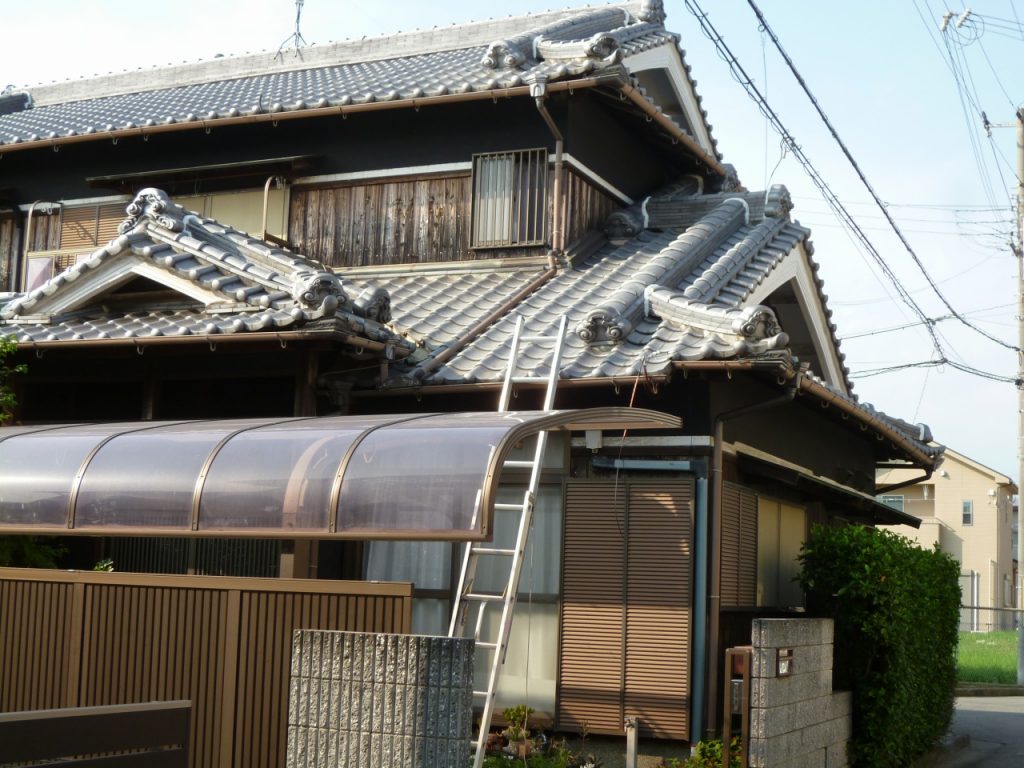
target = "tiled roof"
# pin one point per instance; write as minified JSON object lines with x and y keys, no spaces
{"x":639,"y":304}
{"x":459,"y":59}
{"x":229,"y":282}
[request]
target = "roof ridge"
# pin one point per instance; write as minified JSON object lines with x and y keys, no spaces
{"x":367,"y":49}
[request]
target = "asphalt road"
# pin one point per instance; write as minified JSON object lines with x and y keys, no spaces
{"x":995,"y":726}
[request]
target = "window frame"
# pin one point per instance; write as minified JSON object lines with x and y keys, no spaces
{"x":967,"y":512}
{"x":499,"y":217}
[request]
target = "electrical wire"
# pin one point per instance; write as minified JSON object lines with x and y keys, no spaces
{"x":867,"y":184}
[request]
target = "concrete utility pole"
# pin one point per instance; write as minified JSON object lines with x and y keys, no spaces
{"x":1020,"y":393}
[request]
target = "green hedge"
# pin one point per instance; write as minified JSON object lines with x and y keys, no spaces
{"x":896,"y":610}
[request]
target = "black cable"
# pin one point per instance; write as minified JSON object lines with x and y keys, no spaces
{"x":868,"y":186}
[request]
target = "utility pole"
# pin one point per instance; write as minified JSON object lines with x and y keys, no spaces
{"x":1020,"y":393}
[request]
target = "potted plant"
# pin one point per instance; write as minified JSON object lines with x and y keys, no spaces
{"x":516,"y":730}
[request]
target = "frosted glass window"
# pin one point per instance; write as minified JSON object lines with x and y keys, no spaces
{"x":427,"y":564}
{"x":37,"y":472}
{"x":147,"y":478}
{"x":279,"y":476}
{"x":421,"y":475}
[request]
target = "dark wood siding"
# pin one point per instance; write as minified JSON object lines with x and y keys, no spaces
{"x":626,"y":607}
{"x":415,"y":219}
{"x":739,"y":546}
{"x":10,"y":245}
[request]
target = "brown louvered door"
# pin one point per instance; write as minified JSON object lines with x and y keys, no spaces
{"x":739,"y":546}
{"x":626,"y":606}
{"x":658,"y":608}
{"x":593,"y":608}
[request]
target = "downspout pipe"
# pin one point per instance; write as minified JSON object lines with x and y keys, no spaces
{"x":904,"y":483}
{"x":700,"y":599}
{"x":538,"y":89}
{"x":714,"y":604}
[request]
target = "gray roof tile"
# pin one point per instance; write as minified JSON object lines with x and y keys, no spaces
{"x":465,"y":58}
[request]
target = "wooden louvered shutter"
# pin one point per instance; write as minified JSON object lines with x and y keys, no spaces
{"x":626,"y":607}
{"x":739,"y":546}
{"x":658,"y":608}
{"x":593,"y":607}
{"x":89,"y":226}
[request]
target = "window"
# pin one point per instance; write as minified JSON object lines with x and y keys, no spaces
{"x":896,"y":502}
{"x":82,"y":229}
{"x":510,"y":198}
{"x":968,"y":512}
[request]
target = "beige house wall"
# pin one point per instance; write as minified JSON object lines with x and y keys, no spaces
{"x":983,"y":548}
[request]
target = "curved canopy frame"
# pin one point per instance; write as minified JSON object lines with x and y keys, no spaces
{"x":412,"y":476}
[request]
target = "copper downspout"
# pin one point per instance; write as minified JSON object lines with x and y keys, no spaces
{"x":715,"y":547}
{"x":539,"y":93}
{"x":673,"y":130}
{"x":301,"y":114}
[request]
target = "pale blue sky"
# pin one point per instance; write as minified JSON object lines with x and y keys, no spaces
{"x":878,"y":71}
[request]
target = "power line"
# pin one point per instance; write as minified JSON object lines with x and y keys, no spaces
{"x":867,"y":184}
{"x":741,"y":76}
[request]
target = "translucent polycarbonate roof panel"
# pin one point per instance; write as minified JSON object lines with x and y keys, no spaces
{"x":38,"y":470}
{"x":147,"y":477}
{"x":280,"y":477}
{"x":413,"y":476}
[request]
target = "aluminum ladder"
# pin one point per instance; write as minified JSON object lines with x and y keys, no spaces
{"x":466,"y":596}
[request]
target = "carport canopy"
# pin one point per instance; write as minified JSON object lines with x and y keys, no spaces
{"x":411,"y":476}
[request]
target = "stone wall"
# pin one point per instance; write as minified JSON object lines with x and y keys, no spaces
{"x":379,"y":701}
{"x":796,"y":721}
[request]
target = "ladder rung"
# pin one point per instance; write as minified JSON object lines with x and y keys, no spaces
{"x":529,"y":379}
{"x":493,"y":551}
{"x":519,"y":464}
{"x":486,"y":645}
{"x":510,"y":507}
{"x":485,"y":694}
{"x":538,"y":338}
{"x":484,"y":598}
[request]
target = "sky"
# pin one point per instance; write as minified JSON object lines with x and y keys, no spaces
{"x":906,"y":99}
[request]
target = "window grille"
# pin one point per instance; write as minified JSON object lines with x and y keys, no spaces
{"x":510,"y":198}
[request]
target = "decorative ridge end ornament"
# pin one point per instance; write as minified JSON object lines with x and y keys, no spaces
{"x":758,"y":322}
{"x":625,"y":222}
{"x":374,"y":303}
{"x":319,"y":291}
{"x":503,"y":53}
{"x":603,"y":326}
{"x":154,"y":204}
{"x":778,"y":202}
{"x":601,"y":46}
{"x":731,"y":181}
{"x":652,"y":11}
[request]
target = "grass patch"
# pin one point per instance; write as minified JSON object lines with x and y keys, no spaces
{"x":987,"y":657}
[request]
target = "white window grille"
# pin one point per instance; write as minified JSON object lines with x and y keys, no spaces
{"x":510,"y":198}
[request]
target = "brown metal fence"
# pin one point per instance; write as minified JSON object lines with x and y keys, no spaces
{"x":71,"y":639}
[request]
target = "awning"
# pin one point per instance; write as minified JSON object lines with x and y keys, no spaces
{"x":418,"y":476}
{"x":858,"y":506}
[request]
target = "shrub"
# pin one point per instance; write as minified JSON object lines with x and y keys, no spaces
{"x":896,"y":611}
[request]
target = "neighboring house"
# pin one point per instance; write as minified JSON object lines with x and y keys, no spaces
{"x":966,"y":509}
{"x":354,"y":231}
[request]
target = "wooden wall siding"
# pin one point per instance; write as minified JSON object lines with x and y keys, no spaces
{"x":10,"y":247}
{"x":408,"y":221}
{"x":626,"y":607}
{"x":739,"y":546}
{"x":81,"y":639}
